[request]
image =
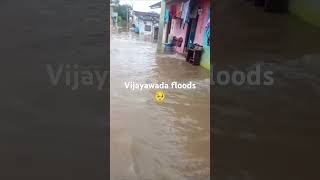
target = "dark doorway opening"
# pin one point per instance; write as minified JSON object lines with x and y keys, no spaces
{"x":191,"y":32}
{"x":168,"y":29}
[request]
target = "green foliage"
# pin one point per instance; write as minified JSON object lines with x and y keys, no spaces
{"x":122,"y":11}
{"x":120,"y":19}
{"x":116,"y":2}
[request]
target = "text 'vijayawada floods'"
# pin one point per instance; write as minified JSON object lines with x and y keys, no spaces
{"x":162,"y":85}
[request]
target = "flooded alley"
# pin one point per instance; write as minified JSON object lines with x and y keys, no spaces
{"x":152,"y":141}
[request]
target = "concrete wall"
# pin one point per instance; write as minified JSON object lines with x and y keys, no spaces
{"x":200,"y":36}
{"x":161,"y":26}
{"x":178,"y":31}
{"x":164,"y":32}
{"x":309,"y":10}
{"x":141,"y":24}
{"x":203,"y":17}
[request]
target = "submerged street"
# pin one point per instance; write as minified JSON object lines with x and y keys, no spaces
{"x":152,"y":141}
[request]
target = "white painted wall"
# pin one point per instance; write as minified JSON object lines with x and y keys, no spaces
{"x":142,"y":24}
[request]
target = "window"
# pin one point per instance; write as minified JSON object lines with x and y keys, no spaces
{"x":147,"y":28}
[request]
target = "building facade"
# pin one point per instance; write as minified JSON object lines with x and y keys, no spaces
{"x":188,"y":23}
{"x":145,"y":23}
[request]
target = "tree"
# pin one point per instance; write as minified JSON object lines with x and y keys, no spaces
{"x":115,"y":2}
{"x":122,"y":11}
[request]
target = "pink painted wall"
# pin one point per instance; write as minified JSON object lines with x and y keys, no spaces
{"x":179,"y":32}
{"x":204,"y":4}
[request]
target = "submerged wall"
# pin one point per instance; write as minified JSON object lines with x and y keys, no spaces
{"x":309,"y":10}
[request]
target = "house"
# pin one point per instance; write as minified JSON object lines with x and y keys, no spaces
{"x":146,"y":23}
{"x":187,"y":23}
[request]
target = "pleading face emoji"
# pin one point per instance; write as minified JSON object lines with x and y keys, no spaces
{"x":159,"y":96}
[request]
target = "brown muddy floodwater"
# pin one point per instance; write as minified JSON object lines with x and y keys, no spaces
{"x":150,"y":141}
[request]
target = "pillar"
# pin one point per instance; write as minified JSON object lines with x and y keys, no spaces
{"x":161,"y":25}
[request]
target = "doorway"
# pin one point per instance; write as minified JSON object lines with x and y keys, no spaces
{"x":168,"y":29}
{"x":191,"y":32}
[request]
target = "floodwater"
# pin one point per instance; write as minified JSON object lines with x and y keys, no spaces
{"x":266,"y":132}
{"x":152,"y":141}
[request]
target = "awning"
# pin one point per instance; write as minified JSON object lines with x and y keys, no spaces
{"x":156,"y":6}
